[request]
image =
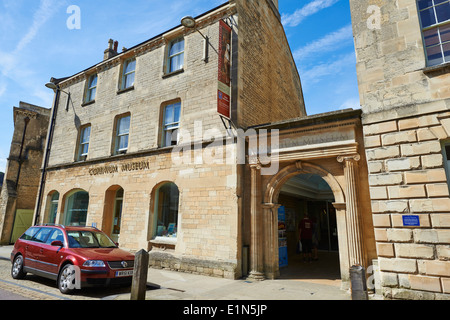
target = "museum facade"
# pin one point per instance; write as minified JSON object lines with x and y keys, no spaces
{"x":177,"y":147}
{"x":196,"y":146}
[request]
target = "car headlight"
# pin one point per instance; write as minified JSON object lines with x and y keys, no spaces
{"x":94,"y":263}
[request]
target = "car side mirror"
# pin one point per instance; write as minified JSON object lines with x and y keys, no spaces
{"x":57,"y":243}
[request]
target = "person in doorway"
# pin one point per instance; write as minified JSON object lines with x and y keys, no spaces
{"x":315,"y":239}
{"x":305,"y":231}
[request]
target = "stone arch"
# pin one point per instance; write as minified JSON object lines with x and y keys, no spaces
{"x":276,"y":182}
{"x":66,"y":206}
{"x":152,"y":225}
{"x":52,"y":205}
{"x":109,"y":207}
{"x":271,"y":202}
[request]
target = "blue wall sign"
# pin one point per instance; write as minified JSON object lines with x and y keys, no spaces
{"x":411,"y":221}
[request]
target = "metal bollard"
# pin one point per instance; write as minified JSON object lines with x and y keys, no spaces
{"x":139,"y":284}
{"x":358,"y":283}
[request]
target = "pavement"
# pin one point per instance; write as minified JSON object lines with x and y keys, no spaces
{"x":171,"y":285}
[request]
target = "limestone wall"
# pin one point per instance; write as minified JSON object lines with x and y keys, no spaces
{"x":405,"y":107}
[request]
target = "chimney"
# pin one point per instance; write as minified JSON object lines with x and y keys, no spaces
{"x":111,"y":51}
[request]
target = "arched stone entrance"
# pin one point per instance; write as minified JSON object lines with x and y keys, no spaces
{"x":339,"y":164}
{"x":271,"y":204}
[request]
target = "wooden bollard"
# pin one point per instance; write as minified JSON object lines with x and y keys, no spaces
{"x":139,"y":284}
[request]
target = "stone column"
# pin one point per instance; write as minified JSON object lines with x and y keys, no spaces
{"x":353,"y":215}
{"x":256,"y":244}
{"x":270,"y":247}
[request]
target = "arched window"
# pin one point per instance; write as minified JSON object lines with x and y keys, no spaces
{"x":166,"y":210}
{"x":76,"y":209}
{"x":53,"y":211}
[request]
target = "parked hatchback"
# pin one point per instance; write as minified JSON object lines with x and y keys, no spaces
{"x":75,"y":257}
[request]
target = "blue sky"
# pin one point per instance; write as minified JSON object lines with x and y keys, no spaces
{"x":36,"y":44}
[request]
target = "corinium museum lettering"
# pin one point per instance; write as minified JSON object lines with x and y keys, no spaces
{"x":131,"y":166}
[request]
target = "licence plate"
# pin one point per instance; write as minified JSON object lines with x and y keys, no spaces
{"x":125,"y":273}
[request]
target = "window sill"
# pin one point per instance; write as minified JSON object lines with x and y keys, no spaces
{"x":119,"y":153}
{"x":168,"y":240}
{"x":167,"y":75}
{"x":84,"y":104}
{"x":437,"y":70}
{"x":125,"y":90}
{"x":164,"y":241}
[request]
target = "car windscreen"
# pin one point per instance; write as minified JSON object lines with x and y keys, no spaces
{"x":89,"y":239}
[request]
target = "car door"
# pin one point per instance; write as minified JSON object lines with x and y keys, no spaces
{"x":50,"y":256}
{"x":28,"y":247}
{"x":37,"y":250}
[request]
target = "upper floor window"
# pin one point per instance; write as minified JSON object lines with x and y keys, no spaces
{"x":171,"y":118}
{"x":446,"y":153}
{"x":122,"y":134}
{"x":91,"y":88}
{"x":129,"y":69}
{"x":435,"y":20}
{"x":83,"y":148}
{"x":175,"y":55}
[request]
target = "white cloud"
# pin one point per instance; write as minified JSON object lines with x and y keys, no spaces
{"x":294,"y":19}
{"x":46,"y":10}
{"x":14,"y":65}
{"x":2,"y":165}
{"x":328,"y":43}
{"x":351,"y":103}
{"x":8,"y":62}
{"x":316,"y":73}
{"x":2,"y":88}
{"x":3,"y":157}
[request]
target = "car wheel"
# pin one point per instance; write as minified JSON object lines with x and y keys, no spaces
{"x":66,"y":279}
{"x":17,"y":268}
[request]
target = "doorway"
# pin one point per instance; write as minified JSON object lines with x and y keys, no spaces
{"x":112,"y":215}
{"x":117,"y":218}
{"x":308,"y":194}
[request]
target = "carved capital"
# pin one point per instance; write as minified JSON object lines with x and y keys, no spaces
{"x":270,"y":206}
{"x":352,"y":157}
{"x":255,"y":163}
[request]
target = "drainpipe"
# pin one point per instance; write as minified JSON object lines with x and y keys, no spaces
{"x":27,"y":120}
{"x":47,"y":148}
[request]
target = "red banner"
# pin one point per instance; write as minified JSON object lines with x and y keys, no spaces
{"x":223,"y":96}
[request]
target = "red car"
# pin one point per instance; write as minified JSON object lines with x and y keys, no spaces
{"x":75,"y":257}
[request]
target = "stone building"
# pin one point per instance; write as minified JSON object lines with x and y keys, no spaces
{"x":403,"y":64}
{"x":22,"y":176}
{"x":196,"y":145}
{"x":139,"y":147}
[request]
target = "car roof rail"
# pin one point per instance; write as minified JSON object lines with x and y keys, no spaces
{"x":92,"y":227}
{"x":53,"y":225}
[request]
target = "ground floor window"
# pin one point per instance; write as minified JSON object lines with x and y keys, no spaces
{"x":76,"y":209}
{"x":166,"y":211}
